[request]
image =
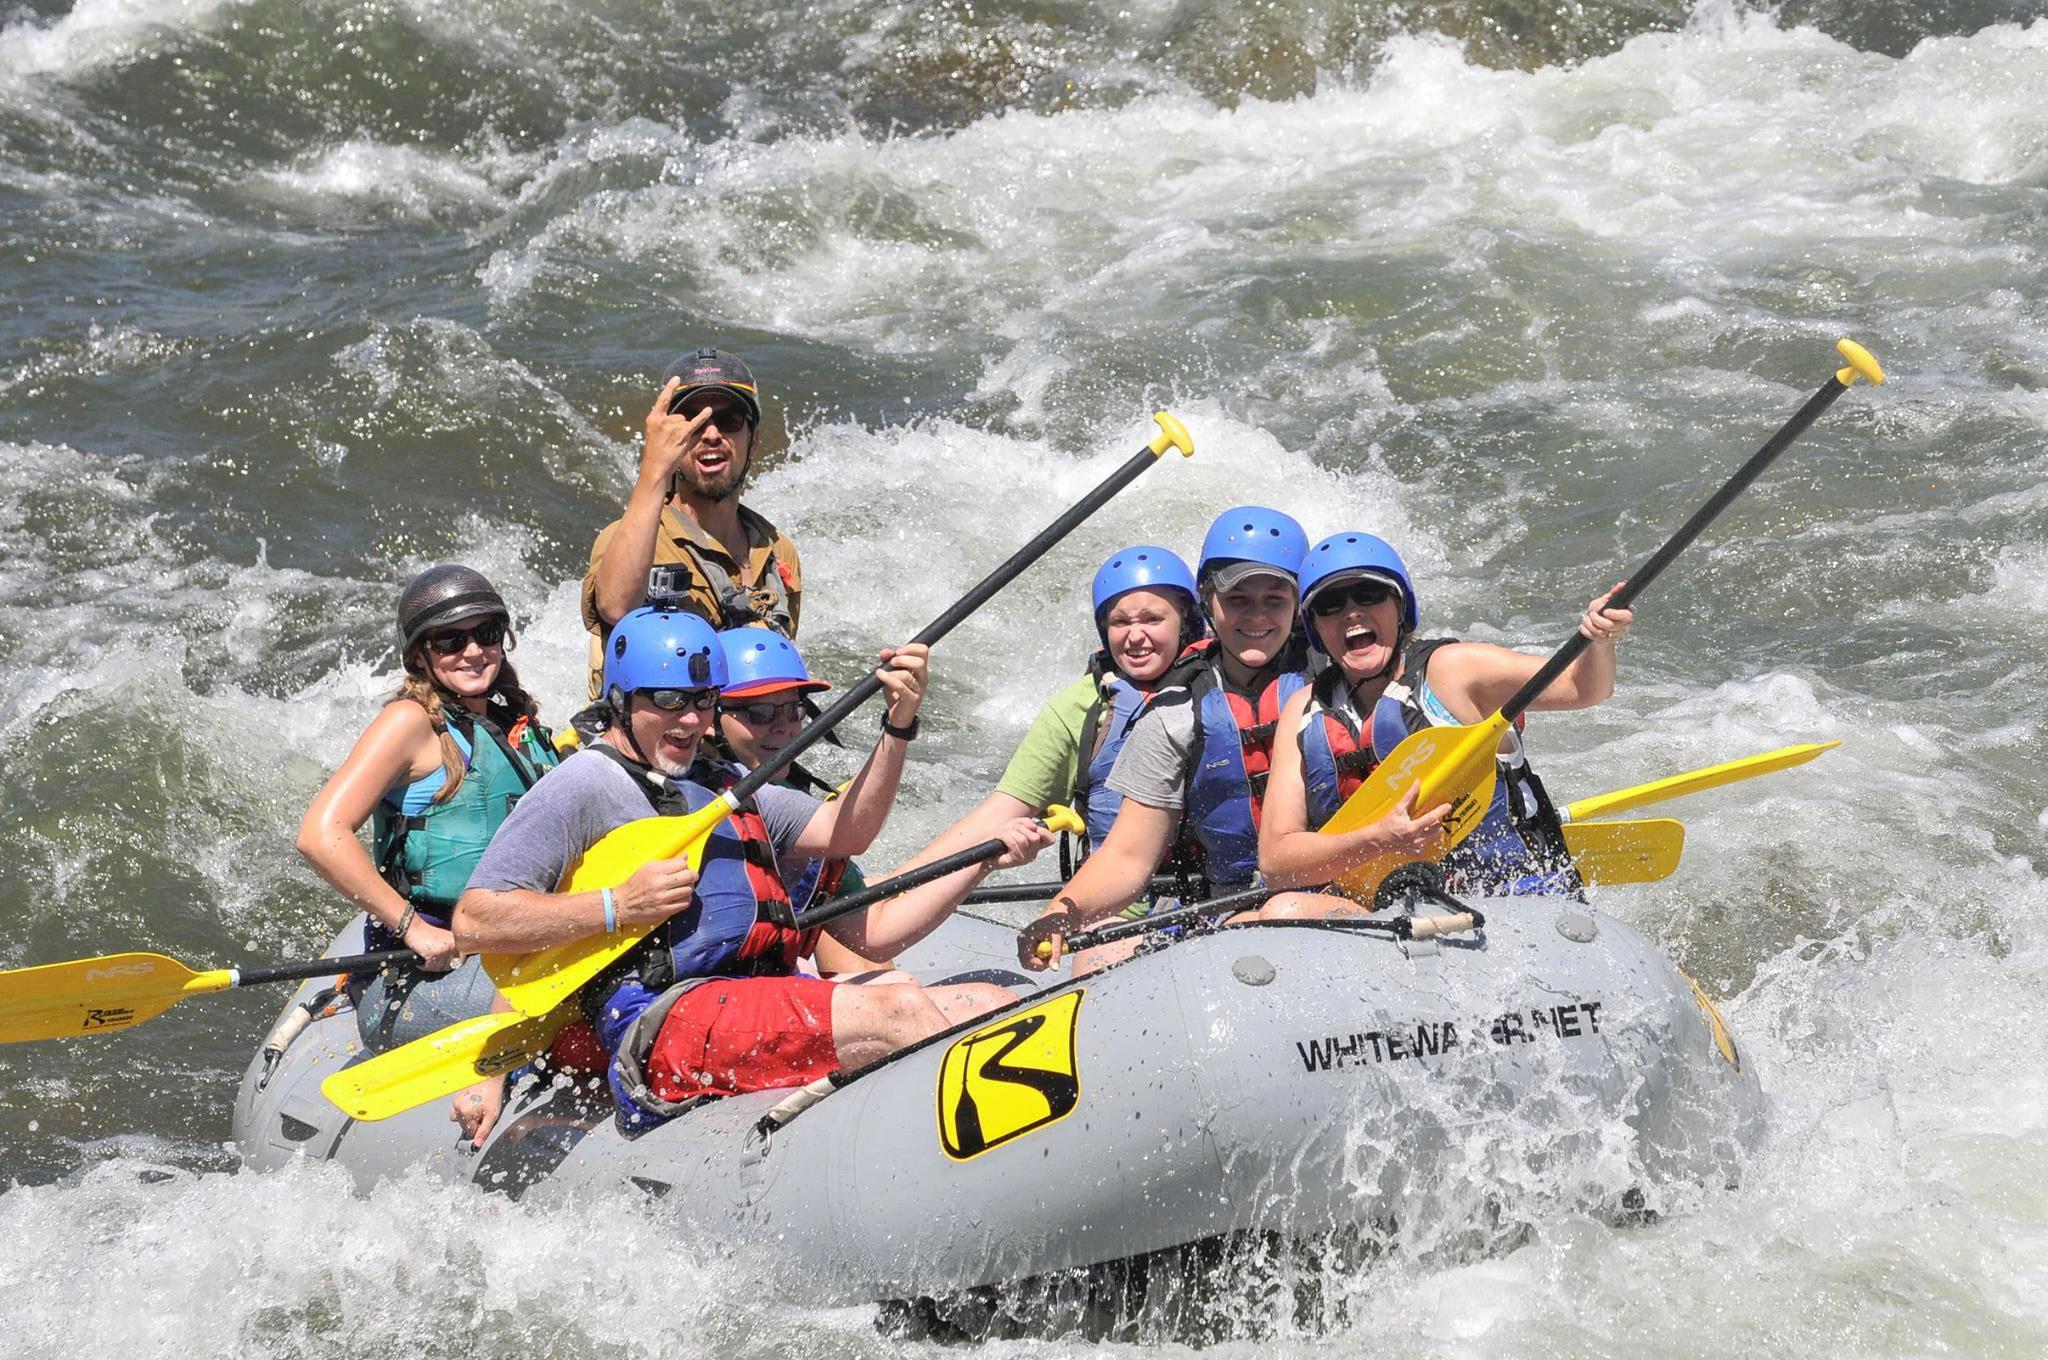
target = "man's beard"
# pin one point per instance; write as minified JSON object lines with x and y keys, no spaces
{"x":726,"y":486}
{"x":667,"y":765}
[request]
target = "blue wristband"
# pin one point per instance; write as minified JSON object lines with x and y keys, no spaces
{"x":611,"y":911}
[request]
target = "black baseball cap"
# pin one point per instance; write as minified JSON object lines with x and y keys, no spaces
{"x":714,"y":368}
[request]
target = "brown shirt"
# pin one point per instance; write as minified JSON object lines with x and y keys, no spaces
{"x":767,"y":592}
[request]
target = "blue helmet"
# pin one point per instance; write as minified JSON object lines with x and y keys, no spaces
{"x":1347,"y":555}
{"x":1140,"y":567}
{"x":760,"y":661}
{"x":661,"y":649}
{"x":1252,"y":533}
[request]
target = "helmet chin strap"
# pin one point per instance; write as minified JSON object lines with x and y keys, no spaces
{"x":1386,"y":672}
{"x":1400,"y":645}
{"x":622,"y":711}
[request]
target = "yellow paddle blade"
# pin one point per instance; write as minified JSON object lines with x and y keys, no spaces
{"x":1696,"y":781}
{"x":1453,"y":767}
{"x":442,"y":1063}
{"x":97,"y":996}
{"x":538,"y":982}
{"x":1609,"y":853}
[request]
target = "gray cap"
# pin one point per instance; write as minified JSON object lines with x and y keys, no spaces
{"x":1233,"y":574}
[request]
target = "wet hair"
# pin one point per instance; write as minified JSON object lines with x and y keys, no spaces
{"x":420,"y":686}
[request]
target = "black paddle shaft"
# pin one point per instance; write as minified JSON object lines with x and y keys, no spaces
{"x":1145,"y":925}
{"x":770,"y":770}
{"x":258,"y":973}
{"x":1046,"y":891}
{"x":903,"y":882}
{"x":1705,"y":515}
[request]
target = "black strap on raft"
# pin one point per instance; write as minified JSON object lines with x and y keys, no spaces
{"x":1535,"y":817}
{"x":1407,"y":888}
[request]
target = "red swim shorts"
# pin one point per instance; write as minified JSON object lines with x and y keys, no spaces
{"x":731,"y":1035}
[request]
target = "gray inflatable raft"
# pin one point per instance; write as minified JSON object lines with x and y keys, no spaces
{"x":1291,"y":1083}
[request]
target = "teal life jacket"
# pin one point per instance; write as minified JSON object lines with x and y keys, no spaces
{"x":428,"y":856}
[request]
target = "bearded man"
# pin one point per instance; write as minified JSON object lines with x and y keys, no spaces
{"x":712,"y":556}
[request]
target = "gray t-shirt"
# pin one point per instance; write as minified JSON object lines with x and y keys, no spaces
{"x":588,"y":795}
{"x":1153,"y":765}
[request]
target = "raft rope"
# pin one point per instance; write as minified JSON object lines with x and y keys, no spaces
{"x":329,"y":1000}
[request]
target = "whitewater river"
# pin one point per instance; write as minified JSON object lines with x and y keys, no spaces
{"x":298,"y":297}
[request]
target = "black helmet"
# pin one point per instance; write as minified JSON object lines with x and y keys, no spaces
{"x":443,"y":595}
{"x":719,"y":371}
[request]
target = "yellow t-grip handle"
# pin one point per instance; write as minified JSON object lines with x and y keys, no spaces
{"x":1174,"y":435}
{"x":1861,"y":365}
{"x":1060,"y":817}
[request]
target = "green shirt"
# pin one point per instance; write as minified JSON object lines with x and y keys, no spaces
{"x":1048,"y":761}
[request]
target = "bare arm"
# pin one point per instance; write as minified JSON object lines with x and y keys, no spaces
{"x":621,"y":572}
{"x":1475,"y":678}
{"x":520,"y":920}
{"x":398,"y":746}
{"x":895,"y":924}
{"x":849,"y":823}
{"x":1291,"y":853}
{"x":1111,"y":878}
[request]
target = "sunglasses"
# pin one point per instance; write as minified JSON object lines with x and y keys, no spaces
{"x":677,"y":700}
{"x":728,"y":419}
{"x":489,"y":633}
{"x":760,"y":715}
{"x":1337,"y":599}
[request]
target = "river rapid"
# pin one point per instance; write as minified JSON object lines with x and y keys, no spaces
{"x":299,"y":298}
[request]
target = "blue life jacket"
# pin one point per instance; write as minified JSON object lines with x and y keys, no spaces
{"x":1225,"y":780}
{"x":1108,"y":728}
{"x":1517,"y":849}
{"x":740,"y":923}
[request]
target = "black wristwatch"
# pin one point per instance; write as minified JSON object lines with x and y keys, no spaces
{"x":903,"y":734}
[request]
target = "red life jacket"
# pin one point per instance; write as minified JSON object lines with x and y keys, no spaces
{"x":775,"y":944}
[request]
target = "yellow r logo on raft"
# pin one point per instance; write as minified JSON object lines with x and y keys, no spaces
{"x":1008,"y":1078}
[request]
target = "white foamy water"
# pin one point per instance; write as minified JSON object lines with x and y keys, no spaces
{"x":97,"y":33}
{"x":365,"y":177}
